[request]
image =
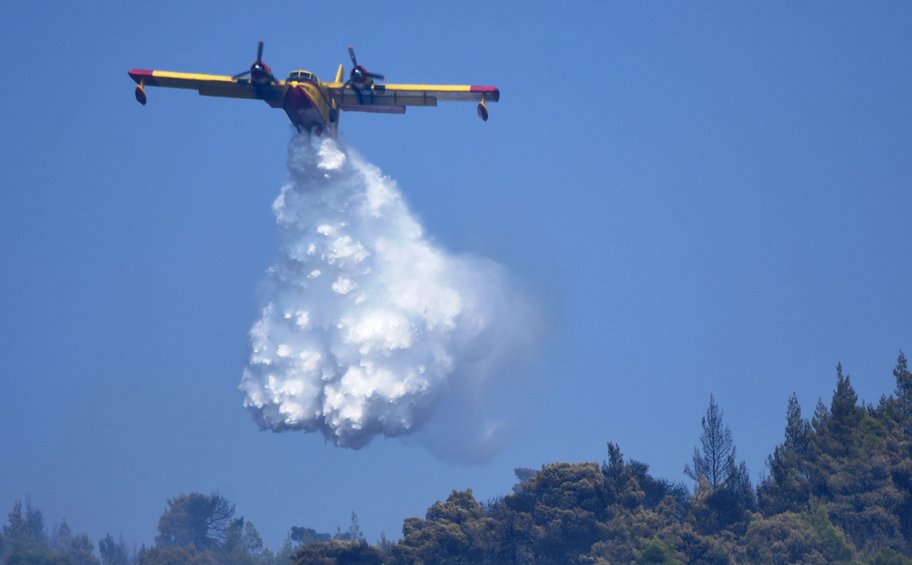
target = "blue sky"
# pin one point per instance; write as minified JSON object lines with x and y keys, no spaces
{"x":706,"y":198}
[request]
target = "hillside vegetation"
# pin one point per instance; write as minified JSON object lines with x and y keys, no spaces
{"x":838,"y":490}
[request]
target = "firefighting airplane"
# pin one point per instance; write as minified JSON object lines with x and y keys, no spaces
{"x":314,"y":105}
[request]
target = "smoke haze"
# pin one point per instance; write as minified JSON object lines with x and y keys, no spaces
{"x":368,"y":328}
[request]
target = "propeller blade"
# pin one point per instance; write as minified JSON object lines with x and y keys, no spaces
{"x":351,"y":53}
{"x":260,"y":53}
{"x":239,"y":75}
{"x":375,"y":75}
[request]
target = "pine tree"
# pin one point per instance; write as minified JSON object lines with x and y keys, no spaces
{"x":821,"y":419}
{"x":25,"y":529}
{"x":796,"y":427}
{"x":724,"y":492}
{"x":844,"y":407}
{"x":715,"y":459}
{"x":904,"y":392}
{"x":786,"y":488}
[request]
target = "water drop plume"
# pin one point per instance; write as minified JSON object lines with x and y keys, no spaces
{"x":367,"y":327}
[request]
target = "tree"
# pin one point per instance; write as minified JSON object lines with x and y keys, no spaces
{"x":715,"y":459}
{"x":78,"y":549}
{"x":306,"y":536}
{"x":353,"y":533}
{"x":787,"y":487}
{"x":796,"y":427}
{"x":904,"y":392}
{"x":25,"y":541}
{"x":455,"y":531}
{"x":25,"y":529}
{"x":195,"y":520}
{"x":113,"y":553}
{"x":82,"y":551}
{"x":808,"y":537}
{"x":244,"y":545}
{"x":724,"y":493}
{"x":337,"y":551}
{"x":631,"y":485}
{"x":296,"y":538}
{"x":845,"y":414}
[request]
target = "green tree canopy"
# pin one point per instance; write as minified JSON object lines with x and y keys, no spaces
{"x":338,"y":552}
{"x":195,"y":519}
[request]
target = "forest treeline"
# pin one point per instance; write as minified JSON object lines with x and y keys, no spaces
{"x":838,"y":489}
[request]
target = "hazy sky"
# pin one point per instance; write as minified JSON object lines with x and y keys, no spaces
{"x":704,"y":198}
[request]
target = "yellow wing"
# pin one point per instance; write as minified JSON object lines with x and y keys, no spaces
{"x":393,"y":98}
{"x":211,"y":85}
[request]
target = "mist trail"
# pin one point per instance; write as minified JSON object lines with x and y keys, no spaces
{"x":367,"y":328}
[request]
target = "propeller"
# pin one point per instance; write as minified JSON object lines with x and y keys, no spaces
{"x":258,"y":65}
{"x":359,"y":73}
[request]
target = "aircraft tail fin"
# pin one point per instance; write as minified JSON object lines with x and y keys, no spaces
{"x":339,"y":74}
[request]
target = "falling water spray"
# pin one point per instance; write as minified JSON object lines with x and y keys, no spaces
{"x":367,"y":327}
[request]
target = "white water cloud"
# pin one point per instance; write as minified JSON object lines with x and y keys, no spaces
{"x":367,"y":327}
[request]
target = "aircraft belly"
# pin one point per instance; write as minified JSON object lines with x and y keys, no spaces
{"x":303,"y":105}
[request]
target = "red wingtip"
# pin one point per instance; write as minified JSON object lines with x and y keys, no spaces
{"x":140,"y":75}
{"x":491,"y":92}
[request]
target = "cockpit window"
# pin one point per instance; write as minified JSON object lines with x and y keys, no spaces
{"x":301,"y":76}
